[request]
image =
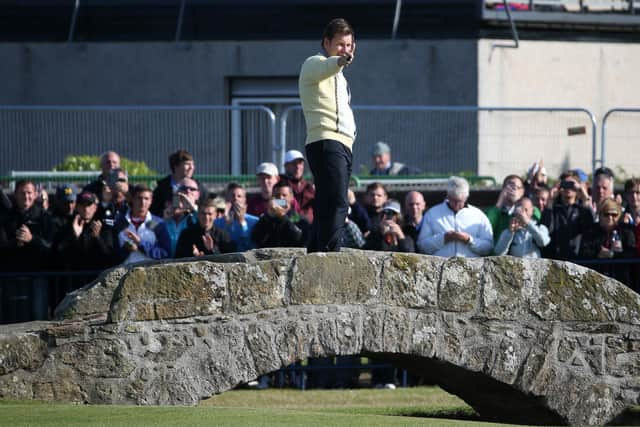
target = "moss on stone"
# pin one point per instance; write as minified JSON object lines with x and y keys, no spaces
{"x":255,"y":287}
{"x":405,"y":262}
{"x":508,"y":272}
{"x":458,"y":287}
{"x":573,"y":296}
{"x":163,"y":292}
{"x":503,"y":279}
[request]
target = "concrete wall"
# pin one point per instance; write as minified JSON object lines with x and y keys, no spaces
{"x":595,"y":76}
{"x":385,"y":72}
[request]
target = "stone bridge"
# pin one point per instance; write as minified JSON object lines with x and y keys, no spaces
{"x":532,"y":341}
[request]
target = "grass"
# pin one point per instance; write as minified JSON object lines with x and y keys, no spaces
{"x":419,"y":406}
{"x":274,"y":407}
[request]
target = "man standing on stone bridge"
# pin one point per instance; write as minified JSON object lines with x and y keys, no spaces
{"x":331,"y":131}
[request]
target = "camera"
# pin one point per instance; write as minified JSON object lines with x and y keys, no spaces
{"x":568,"y":185}
{"x":388,"y":214}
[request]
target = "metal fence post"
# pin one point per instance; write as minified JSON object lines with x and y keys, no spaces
{"x":603,"y":136}
{"x":283,"y":128}
{"x":287,"y":116}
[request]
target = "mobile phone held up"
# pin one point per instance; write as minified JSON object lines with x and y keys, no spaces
{"x":281,"y":202}
{"x":175,"y":201}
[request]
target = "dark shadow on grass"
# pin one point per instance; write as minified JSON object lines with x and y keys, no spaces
{"x":492,"y":400}
{"x":460,"y":414}
{"x":629,"y":417}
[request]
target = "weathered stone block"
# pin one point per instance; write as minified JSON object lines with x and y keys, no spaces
{"x":101,"y":358}
{"x":572,"y":293}
{"x":94,"y":299}
{"x":424,"y":331}
{"x":411,"y":280}
{"x":459,"y":290}
{"x":256,"y":287}
{"x":334,"y":278}
{"x":169,"y":291}
{"x":21,"y":352}
{"x":503,"y":280}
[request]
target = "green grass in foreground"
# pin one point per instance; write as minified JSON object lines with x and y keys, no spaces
{"x":280,"y":407}
{"x":274,"y":407}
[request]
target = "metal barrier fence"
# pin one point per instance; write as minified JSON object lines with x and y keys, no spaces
{"x":493,"y":141}
{"x":232,"y":140}
{"x":619,"y":140}
{"x":223,"y":139}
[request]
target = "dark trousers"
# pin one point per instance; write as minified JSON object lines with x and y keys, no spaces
{"x":330,"y":162}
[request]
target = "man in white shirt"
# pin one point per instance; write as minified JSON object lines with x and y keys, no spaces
{"x":455,"y":228}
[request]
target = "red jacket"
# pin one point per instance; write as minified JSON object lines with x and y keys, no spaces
{"x":304,"y":193}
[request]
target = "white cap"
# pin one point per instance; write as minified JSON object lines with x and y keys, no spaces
{"x":292,"y":155}
{"x":392,"y":206}
{"x":267,"y":169}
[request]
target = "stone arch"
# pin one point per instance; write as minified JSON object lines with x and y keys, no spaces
{"x":555,"y":341}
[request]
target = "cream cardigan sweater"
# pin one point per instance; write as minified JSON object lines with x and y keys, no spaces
{"x":325,"y":101}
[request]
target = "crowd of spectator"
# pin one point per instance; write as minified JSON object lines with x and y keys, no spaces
{"x":110,"y":222}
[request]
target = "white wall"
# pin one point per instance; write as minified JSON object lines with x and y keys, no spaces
{"x":595,"y":76}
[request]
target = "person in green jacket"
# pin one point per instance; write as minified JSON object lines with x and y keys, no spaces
{"x":499,"y":215}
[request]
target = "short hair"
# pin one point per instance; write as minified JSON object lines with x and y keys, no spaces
{"x":604,"y":176}
{"x":140,"y":188}
{"x":523,"y":199}
{"x":539,"y":189}
{"x":630,"y":184}
{"x":178,"y":157}
{"x":21,"y":183}
{"x":233,"y":186}
{"x":375,"y":186}
{"x":104,"y":155}
{"x":569,"y":174}
{"x":208,"y":203}
{"x":510,"y":177}
{"x":337,"y":26}
{"x":281,"y":184}
{"x":458,"y":186}
{"x":603,"y":170}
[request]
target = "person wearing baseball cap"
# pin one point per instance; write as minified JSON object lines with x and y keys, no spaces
{"x":303,"y":191}
{"x":388,"y":235}
{"x":85,"y":244}
{"x":63,"y":207}
{"x":382,"y":164}
{"x":267,"y":176}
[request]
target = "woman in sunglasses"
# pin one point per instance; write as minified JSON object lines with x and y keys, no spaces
{"x":609,"y":238}
{"x":567,"y":219}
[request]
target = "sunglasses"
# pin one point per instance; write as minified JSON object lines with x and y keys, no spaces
{"x":610,"y":214}
{"x":185,"y":188}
